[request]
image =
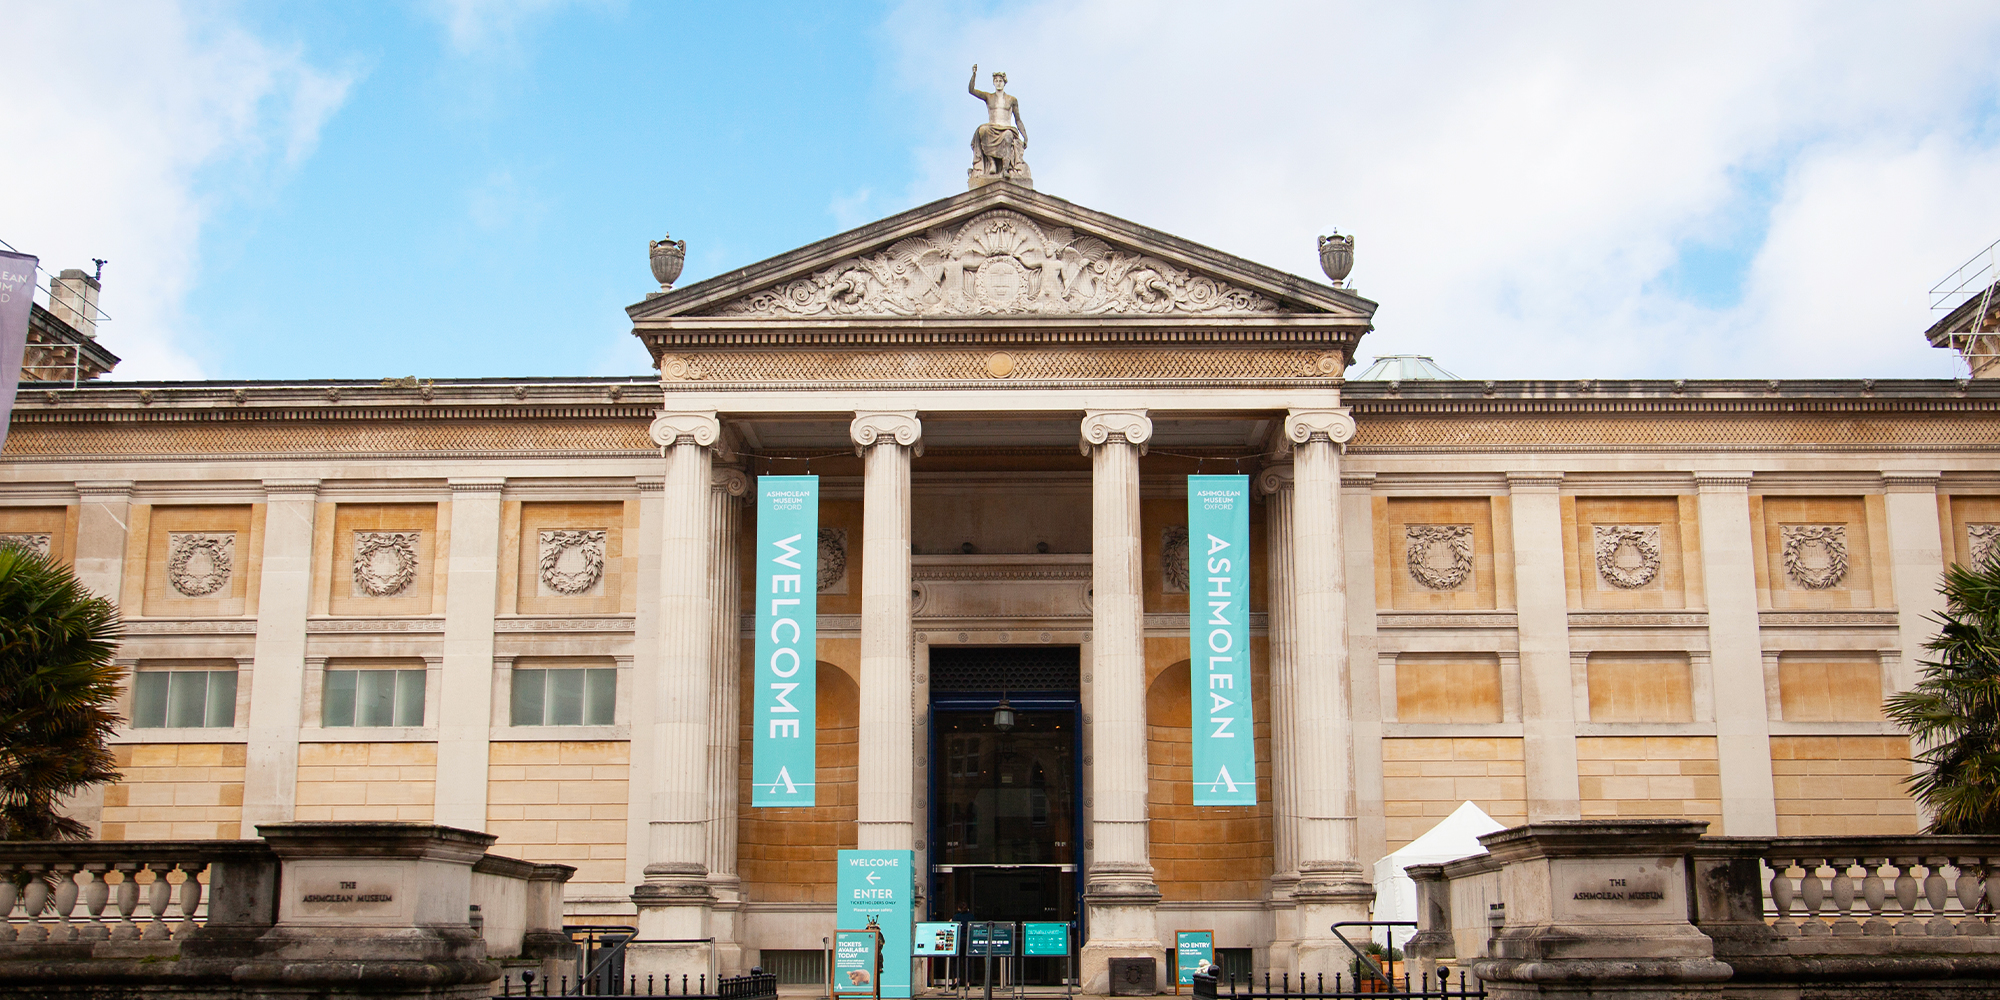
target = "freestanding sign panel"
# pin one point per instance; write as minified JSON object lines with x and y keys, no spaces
{"x":1043,"y":939}
{"x":17,"y":291}
{"x":935,"y":939}
{"x":1191,"y":948}
{"x":785,"y":740}
{"x":883,"y":885}
{"x":856,"y":962}
{"x":1225,"y":753}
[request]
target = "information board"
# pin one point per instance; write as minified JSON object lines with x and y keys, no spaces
{"x":1044,"y":939}
{"x":989,"y":937}
{"x":935,"y":939}
{"x":881,"y":884}
{"x":1191,"y":948}
{"x":855,"y":962}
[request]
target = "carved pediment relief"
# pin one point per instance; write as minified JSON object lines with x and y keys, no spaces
{"x":1000,"y":262}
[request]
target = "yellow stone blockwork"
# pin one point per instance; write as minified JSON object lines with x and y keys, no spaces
{"x":1830,"y":786}
{"x":367,"y":781}
{"x":175,"y":791}
{"x":1423,"y":780}
{"x":1621,"y":777}
{"x":561,"y":802}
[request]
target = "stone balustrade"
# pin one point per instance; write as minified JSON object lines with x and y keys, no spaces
{"x":404,"y":910}
{"x":1882,"y":886}
{"x":138,"y":891}
{"x":1621,"y":908}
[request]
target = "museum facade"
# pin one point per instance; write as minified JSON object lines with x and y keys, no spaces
{"x":524,"y":606}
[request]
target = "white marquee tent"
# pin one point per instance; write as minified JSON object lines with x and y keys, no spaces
{"x":1456,"y":836}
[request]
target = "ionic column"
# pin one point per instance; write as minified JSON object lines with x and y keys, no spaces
{"x":1331,"y":884}
{"x":1276,"y":484}
{"x":885,"y":813}
{"x":271,"y":773}
{"x":727,"y":488}
{"x":1119,"y":890}
{"x":673,"y":900}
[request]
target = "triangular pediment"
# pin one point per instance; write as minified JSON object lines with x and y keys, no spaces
{"x":1004,"y":252}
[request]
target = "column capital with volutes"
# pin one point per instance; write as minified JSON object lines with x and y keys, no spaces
{"x":1337,"y":425}
{"x":1275,"y":479}
{"x":672,"y":427}
{"x":899,"y":427}
{"x":724,"y":479}
{"x":1100,"y":426}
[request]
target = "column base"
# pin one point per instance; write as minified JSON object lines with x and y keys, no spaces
{"x":1326,"y":896}
{"x":1122,"y":911}
{"x":675,"y":909}
{"x":724,"y":925}
{"x":1282,"y":954}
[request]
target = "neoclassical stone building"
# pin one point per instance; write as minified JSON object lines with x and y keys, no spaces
{"x":523,"y":605}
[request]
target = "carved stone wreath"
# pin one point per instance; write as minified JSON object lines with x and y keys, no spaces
{"x":1985,"y":539}
{"x":37,"y":542}
{"x":1174,"y":559}
{"x":1628,"y":555}
{"x":572,"y":560}
{"x":1815,"y":555}
{"x":385,"y":562}
{"x":832,"y":559}
{"x":1439,"y":555}
{"x":1001,"y":262}
{"x":199,"y":562}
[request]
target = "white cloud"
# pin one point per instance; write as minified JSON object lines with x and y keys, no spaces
{"x":132,"y":124}
{"x":1522,"y":178}
{"x":485,"y":26}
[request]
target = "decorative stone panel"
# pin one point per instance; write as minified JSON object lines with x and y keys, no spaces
{"x":1439,"y":556}
{"x":1815,"y":555}
{"x":833,"y":560}
{"x":1628,"y":555}
{"x":572,"y":561}
{"x":199,"y":563}
{"x":385,"y":562}
{"x":1174,"y":559}
{"x":38,"y":542}
{"x":1981,"y":537}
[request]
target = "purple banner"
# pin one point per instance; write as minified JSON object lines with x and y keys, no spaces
{"x":17,"y":293}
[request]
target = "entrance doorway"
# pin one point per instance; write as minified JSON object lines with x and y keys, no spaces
{"x":1006,"y":833}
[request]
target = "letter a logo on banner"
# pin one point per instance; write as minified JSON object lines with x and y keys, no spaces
{"x":785,"y":742}
{"x":1225,"y":743}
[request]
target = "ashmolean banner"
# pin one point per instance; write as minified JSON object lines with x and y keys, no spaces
{"x":17,"y":292}
{"x":1225,"y":746}
{"x":785,"y":742}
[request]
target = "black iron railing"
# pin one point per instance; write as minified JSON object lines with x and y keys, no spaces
{"x":1365,"y":988}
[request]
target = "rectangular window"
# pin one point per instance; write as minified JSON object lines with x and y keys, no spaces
{"x":565,"y":696}
{"x":184,"y":699}
{"x":373,"y":698}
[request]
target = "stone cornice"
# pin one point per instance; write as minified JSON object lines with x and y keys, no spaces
{"x":483,"y":399}
{"x":1636,"y":396}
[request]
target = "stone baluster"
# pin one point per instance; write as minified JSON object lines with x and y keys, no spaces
{"x":1843,"y":897}
{"x":885,"y":806}
{"x":9,"y":895}
{"x":1119,"y":889}
{"x":1782,"y":896}
{"x":34,"y":901}
{"x":157,"y":895}
{"x":96,"y":892}
{"x":64,"y":902}
{"x":1936,"y":894}
{"x":1906,"y":897}
{"x":1812,"y":890}
{"x":1992,"y":892}
{"x":1970,"y":889}
{"x":1875,"y":892}
{"x":190,"y":896}
{"x":128,"y":902}
{"x":1331,"y":884}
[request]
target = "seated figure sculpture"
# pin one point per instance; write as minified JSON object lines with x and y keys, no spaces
{"x":999,"y":147}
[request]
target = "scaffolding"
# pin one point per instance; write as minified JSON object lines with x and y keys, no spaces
{"x":1969,"y":298}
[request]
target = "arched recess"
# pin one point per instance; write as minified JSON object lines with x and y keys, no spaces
{"x":787,"y":855}
{"x":1202,"y":852}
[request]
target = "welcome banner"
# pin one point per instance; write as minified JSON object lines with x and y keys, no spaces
{"x":1225,"y":746}
{"x":785,"y":743}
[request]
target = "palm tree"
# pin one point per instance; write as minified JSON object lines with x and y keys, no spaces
{"x":1954,"y":710}
{"x":57,"y":684}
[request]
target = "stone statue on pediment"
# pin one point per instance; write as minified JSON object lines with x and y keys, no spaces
{"x":999,"y":147}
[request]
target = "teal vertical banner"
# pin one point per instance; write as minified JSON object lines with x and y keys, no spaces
{"x":785,"y":740}
{"x":1225,"y":745}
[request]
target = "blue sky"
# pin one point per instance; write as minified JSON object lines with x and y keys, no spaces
{"x":455,"y":188}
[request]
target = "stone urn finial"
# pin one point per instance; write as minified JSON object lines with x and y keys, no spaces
{"x":669,"y":256}
{"x":1336,"y":257}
